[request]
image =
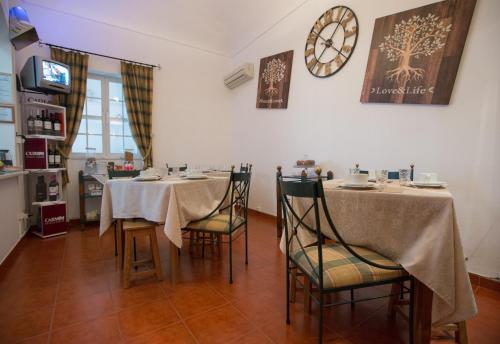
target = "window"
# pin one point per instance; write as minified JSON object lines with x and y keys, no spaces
{"x":104,"y":126}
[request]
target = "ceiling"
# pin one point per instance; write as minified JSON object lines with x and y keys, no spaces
{"x":220,"y":26}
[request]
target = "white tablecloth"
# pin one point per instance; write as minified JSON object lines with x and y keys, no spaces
{"x":173,"y":201}
{"x":414,"y":227}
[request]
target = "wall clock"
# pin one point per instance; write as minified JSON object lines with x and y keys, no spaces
{"x":331,"y":41}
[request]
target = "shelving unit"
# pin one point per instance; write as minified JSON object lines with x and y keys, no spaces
{"x":87,"y":195}
{"x":48,"y":218}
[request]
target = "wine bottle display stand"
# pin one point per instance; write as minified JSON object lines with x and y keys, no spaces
{"x":43,"y":162}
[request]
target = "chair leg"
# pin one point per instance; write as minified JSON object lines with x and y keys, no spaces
{"x":191,"y":241}
{"x":320,"y":335}
{"x":116,"y":242}
{"x":135,"y":250}
{"x":393,"y":300}
{"x":293,"y":285}
{"x":246,"y":243}
{"x":127,"y":259}
{"x":287,"y":291}
{"x":307,"y":294}
{"x":352,"y":298}
{"x":203,"y":245}
{"x":461,"y":333}
{"x":155,"y":252}
{"x":411,"y":310}
{"x":230,"y":258}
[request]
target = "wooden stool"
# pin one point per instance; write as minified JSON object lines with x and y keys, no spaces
{"x":133,"y":229}
{"x":395,"y":303}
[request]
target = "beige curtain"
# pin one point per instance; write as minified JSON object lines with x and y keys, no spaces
{"x":73,"y":101}
{"x":138,"y":91}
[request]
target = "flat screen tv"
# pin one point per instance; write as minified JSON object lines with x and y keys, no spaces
{"x":45,"y":75}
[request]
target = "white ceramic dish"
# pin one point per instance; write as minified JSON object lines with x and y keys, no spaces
{"x":147,"y":178}
{"x":429,"y":184}
{"x":196,"y":176}
{"x":360,"y":186}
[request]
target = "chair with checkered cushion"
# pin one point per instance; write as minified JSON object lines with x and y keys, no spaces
{"x":230,"y":217}
{"x":328,"y":265}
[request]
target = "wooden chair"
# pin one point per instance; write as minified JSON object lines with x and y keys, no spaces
{"x":113,"y":174}
{"x":133,"y":229}
{"x":330,"y":267}
{"x":230,"y":215}
{"x":395,"y":307}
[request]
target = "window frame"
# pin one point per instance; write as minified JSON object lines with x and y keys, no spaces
{"x":105,"y":120}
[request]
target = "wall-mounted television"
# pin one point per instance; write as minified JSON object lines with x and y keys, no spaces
{"x":45,"y":75}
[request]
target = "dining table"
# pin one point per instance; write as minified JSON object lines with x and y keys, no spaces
{"x":171,"y":201}
{"x":415,"y":227}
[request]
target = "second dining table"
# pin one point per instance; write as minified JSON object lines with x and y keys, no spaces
{"x":172,"y":201}
{"x":416,"y":228}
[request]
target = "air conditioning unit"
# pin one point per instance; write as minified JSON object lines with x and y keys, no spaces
{"x":239,"y":76}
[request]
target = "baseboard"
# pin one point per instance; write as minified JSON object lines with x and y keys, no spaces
{"x":484,"y":282}
{"x":260,"y":213}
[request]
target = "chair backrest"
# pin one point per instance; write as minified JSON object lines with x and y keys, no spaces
{"x":245,"y":168}
{"x":123,"y":174}
{"x":235,"y":200}
{"x":181,"y":168}
{"x":312,"y":190}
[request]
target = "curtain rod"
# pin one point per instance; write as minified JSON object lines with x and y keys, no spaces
{"x":101,"y":55}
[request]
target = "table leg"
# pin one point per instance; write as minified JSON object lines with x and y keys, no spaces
{"x":173,"y":263}
{"x":119,"y":239}
{"x":422,"y":313}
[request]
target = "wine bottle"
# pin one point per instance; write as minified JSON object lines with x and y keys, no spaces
{"x":41,"y":190}
{"x":38,"y":123}
{"x":53,"y":189}
{"x":47,"y":124}
{"x":57,"y":125}
{"x":52,"y":157}
{"x":31,"y":123}
{"x":57,"y":158}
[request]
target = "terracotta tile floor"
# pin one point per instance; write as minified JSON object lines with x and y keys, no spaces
{"x":67,"y":290}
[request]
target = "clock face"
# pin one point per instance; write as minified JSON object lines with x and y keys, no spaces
{"x":331,"y":41}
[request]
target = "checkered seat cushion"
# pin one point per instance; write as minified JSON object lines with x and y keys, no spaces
{"x":342,"y":269}
{"x":217,"y":223}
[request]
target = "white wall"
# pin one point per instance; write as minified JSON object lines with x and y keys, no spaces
{"x":326,"y":120}
{"x":190,"y":107}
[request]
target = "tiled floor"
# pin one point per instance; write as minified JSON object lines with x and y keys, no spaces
{"x":67,"y":290}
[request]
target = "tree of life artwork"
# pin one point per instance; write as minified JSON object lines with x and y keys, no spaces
{"x":412,"y":39}
{"x":273,"y":73}
{"x":415,"y":54}
{"x":274,"y":81}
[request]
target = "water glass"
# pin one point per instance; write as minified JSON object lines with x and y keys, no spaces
{"x":404,"y":176}
{"x":382,"y":176}
{"x":353,"y":171}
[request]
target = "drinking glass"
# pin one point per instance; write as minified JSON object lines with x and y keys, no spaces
{"x":382,"y":176}
{"x":404,"y":176}
{"x":353,"y":171}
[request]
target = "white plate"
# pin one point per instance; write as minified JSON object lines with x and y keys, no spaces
{"x":147,"y":178}
{"x":361,"y":186}
{"x":429,"y":184}
{"x":196,"y":176}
